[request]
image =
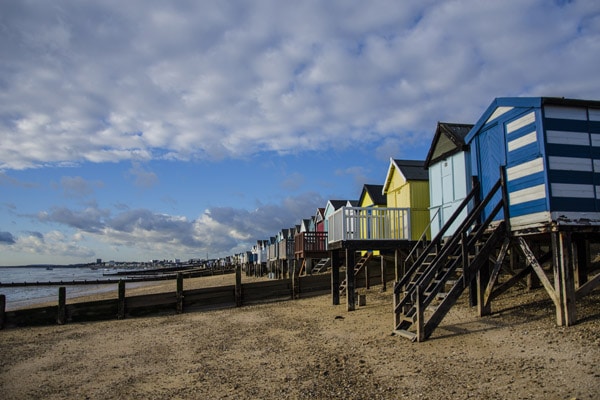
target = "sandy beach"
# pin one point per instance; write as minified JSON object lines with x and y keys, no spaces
{"x":309,"y":348}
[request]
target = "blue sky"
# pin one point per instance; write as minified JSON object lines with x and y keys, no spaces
{"x":157,"y":130}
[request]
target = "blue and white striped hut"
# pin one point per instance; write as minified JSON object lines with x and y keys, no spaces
{"x":550,"y":148}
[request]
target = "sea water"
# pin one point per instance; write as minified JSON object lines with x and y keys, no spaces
{"x":24,"y":296}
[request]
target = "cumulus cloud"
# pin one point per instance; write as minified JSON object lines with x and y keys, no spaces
{"x":142,"y":80}
{"x":220,"y":230}
{"x":53,"y":244}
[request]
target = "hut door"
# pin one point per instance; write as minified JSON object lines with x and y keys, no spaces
{"x":492,"y":155}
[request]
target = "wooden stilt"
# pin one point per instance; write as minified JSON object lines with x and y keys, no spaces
{"x":482,"y":282}
{"x":397,"y":266}
{"x":582,"y":260}
{"x":350,"y":281}
{"x":567,"y":279}
{"x":335,"y":277}
{"x":383,"y":285}
{"x":420,"y":324}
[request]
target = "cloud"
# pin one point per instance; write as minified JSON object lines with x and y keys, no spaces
{"x":140,"y":81}
{"x":141,"y":177}
{"x":76,"y":186}
{"x":53,"y":244}
{"x":219,"y":230}
{"x":6,"y":238}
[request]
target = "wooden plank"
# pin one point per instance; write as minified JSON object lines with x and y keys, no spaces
{"x":587,"y":287}
{"x":539,"y":271}
{"x":495,"y":272}
{"x":2,"y":310}
{"x":350,"y":281}
{"x":121,"y":307}
{"x":335,"y":277}
{"x":61,"y":317}
{"x":93,"y":311}
{"x":567,"y":283}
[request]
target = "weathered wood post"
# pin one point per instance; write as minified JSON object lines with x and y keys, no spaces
{"x":367,"y":282}
{"x":295,"y":281}
{"x":383,"y":284}
{"x":238,"y":286}
{"x":350,"y":281}
{"x":179,"y":293}
{"x":2,"y":310}
{"x":121,"y":303}
{"x":335,"y":277}
{"x":61,"y":318}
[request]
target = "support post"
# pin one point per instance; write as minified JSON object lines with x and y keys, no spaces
{"x":420,"y":312}
{"x":367,"y":282}
{"x":121,"y":306}
{"x":383,"y":284}
{"x":295,"y":281}
{"x":61,"y":317}
{"x":2,"y":310}
{"x":582,"y":259}
{"x":398,"y":275}
{"x":350,"y":281}
{"x":238,"y":286}
{"x":335,"y":277}
{"x":483,"y":280}
{"x":566,"y":284}
{"x":179,"y":293}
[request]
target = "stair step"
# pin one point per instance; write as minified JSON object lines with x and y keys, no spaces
{"x":404,"y":333}
{"x":406,"y":318}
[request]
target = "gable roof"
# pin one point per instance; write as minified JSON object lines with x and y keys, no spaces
{"x":375,"y":192}
{"x":449,"y":139}
{"x":412,"y":170}
{"x":500,"y":105}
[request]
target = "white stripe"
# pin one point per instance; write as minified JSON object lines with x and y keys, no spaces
{"x":528,"y":194}
{"x":498,"y":112}
{"x":565,"y":112}
{"x":520,"y":122}
{"x":594,"y":114}
{"x":573,"y":190}
{"x":525,"y":169}
{"x":597,"y":192}
{"x":595,"y":140}
{"x":522,"y":141}
{"x":566,"y":137}
{"x":528,"y":220}
{"x":570,"y":164}
{"x":596,"y":165}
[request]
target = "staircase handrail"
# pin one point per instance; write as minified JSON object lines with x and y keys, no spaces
{"x":466,"y":223}
{"x":423,"y":235}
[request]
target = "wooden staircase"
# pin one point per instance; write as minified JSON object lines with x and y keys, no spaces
{"x":321,"y":266}
{"x":358,"y":267}
{"x":435,"y":281}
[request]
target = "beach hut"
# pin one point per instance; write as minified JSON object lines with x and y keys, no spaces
{"x":407,"y":186}
{"x":536,"y":196}
{"x":449,"y":170}
{"x":319,"y":220}
{"x":371,"y":196}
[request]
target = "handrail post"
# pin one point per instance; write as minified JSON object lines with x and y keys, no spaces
{"x":505,"y":202}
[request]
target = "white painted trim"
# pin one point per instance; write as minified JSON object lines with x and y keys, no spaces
{"x":498,"y":112}
{"x":565,"y":112}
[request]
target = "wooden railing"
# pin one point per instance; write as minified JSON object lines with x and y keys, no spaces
{"x":369,"y":223}
{"x":310,"y":242}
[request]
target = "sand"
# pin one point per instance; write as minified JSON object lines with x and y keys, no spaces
{"x":309,"y":348}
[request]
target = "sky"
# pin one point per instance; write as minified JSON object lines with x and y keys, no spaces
{"x":137,"y":130}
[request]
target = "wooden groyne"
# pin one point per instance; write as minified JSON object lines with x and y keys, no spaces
{"x":129,"y":277}
{"x":178,"y":301}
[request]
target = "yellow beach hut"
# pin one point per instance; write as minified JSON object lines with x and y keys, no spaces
{"x":407,"y":186}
